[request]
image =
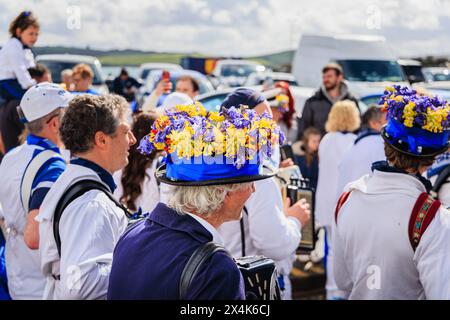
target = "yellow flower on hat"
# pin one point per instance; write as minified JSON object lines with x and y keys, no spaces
{"x":409,"y":114}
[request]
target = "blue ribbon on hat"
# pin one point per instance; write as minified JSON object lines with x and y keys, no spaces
{"x":416,"y":137}
{"x":205,"y":168}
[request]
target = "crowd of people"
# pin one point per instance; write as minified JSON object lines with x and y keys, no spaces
{"x":99,"y":201}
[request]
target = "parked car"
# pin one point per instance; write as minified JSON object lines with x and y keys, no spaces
{"x":233,"y":72}
{"x":155,"y":76}
{"x":258,"y":78}
{"x":56,"y":63}
{"x":146,"y":68}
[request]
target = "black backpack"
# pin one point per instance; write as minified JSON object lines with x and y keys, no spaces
{"x":73,"y":192}
{"x":259,"y":273}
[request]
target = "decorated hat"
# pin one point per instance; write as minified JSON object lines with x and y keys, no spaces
{"x":213,"y":148}
{"x":417,"y":125}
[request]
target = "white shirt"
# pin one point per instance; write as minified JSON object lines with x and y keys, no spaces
{"x":267,"y":230}
{"x":331,"y":150}
{"x":15,"y":60}
{"x":373,"y":257}
{"x":149,"y":197}
{"x":25,"y":280}
{"x":89,"y":228}
{"x":357,"y":161}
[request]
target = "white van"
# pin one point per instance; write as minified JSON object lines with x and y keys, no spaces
{"x":368,"y":62}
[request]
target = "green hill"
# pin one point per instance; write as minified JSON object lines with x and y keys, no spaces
{"x":280,"y":60}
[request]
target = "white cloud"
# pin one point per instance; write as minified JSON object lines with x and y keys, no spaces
{"x":236,"y":27}
{"x":222,"y":17}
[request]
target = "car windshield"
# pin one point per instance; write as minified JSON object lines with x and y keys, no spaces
{"x":56,"y":67}
{"x":238,"y":70}
{"x":372,"y":70}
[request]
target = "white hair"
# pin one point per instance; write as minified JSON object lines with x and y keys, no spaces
{"x":202,"y":200}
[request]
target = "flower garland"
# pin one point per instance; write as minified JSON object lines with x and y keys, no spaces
{"x":407,"y":107}
{"x":191,"y":131}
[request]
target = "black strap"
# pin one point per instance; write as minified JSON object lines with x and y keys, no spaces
{"x":241,"y":222}
{"x":73,"y":192}
{"x":194,"y":263}
{"x":440,"y":181}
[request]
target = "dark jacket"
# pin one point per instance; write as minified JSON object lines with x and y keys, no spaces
{"x":316,"y":110}
{"x":310,"y":172}
{"x":120,"y":86}
{"x":149,"y":259}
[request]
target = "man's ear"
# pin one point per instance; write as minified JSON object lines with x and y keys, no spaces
{"x":100,"y":139}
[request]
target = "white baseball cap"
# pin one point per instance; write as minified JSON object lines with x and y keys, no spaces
{"x":43,"y":98}
{"x":172,"y":100}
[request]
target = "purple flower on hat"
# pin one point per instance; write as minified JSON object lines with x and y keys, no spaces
{"x":145,"y":146}
{"x":209,"y":135}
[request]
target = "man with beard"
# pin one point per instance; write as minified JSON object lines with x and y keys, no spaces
{"x":333,"y":89}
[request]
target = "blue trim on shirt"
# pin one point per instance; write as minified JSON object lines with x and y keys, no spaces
{"x":42,"y":142}
{"x":88,"y":91}
{"x":104,"y":175}
{"x":37,"y":198}
{"x":48,"y":172}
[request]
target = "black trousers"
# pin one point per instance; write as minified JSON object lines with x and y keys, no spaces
{"x":10,"y":125}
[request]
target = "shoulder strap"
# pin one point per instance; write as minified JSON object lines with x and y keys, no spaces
{"x":241,"y":222}
{"x":440,"y":180}
{"x":194,"y":263}
{"x":30,"y":174}
{"x":73,"y":192}
{"x":423,"y":213}
{"x":340,"y":203}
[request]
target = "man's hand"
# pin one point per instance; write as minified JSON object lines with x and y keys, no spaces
{"x":299,"y":210}
{"x":164,"y":86}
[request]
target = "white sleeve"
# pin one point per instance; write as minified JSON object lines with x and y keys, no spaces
{"x":16,"y":57}
{"x":88,"y":237}
{"x":341,"y":273}
{"x":432,"y":257}
{"x":151,"y":102}
{"x":271,"y":232}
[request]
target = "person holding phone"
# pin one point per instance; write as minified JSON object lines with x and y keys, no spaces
{"x":184,"y":84}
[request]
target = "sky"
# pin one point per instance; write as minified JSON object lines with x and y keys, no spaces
{"x":233,"y":27}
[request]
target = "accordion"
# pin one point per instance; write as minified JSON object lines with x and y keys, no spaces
{"x":259,"y":273}
{"x":260,"y":278}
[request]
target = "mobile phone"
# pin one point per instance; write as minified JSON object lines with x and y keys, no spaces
{"x":308,"y":240}
{"x":287,"y":152}
{"x":166,"y":78}
{"x":165,"y":75}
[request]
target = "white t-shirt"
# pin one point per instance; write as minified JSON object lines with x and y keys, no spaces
{"x":15,"y":60}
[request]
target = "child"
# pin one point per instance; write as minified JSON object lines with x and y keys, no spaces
{"x":308,"y":155}
{"x":16,"y":57}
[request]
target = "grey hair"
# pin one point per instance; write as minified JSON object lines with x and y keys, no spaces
{"x":66,"y":72}
{"x":36,"y":126}
{"x":202,"y":200}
